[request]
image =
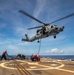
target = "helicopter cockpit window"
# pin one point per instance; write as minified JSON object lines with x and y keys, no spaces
{"x":37,"y":31}
{"x":51,"y":26}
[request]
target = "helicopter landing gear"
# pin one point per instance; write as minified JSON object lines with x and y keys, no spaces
{"x":38,"y":41}
{"x":54,"y":36}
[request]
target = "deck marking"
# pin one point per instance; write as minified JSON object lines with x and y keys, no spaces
{"x":66,"y":70}
{"x":44,"y":67}
{"x":3,"y":65}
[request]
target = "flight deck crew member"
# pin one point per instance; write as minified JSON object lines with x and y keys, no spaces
{"x":19,"y":55}
{"x":4,"y":55}
{"x":38,"y":58}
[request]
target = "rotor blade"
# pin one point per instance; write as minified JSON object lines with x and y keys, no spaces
{"x":38,"y":26}
{"x":72,"y":14}
{"x":23,"y":12}
{"x":34,"y":27}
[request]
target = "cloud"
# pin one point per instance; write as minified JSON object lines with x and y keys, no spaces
{"x":39,"y":7}
{"x":55,"y":50}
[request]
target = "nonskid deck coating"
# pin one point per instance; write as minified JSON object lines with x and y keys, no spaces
{"x":44,"y":67}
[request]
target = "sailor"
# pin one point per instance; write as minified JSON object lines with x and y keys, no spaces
{"x":4,"y":55}
{"x":19,"y":55}
{"x":38,"y":57}
{"x":23,"y":56}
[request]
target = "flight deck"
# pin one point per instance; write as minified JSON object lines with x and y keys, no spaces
{"x":44,"y":67}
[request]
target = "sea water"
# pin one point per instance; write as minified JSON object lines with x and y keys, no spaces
{"x":47,"y":56}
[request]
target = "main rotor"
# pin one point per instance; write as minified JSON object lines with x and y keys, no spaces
{"x":44,"y":24}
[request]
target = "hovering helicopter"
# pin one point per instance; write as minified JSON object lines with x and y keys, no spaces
{"x":46,"y":29}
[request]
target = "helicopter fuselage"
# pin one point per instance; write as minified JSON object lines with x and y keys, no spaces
{"x":50,"y":30}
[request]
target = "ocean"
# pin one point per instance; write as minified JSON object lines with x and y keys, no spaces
{"x":48,"y":56}
{"x":59,"y":56}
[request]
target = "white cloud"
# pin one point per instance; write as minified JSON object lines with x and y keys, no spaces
{"x":55,"y":50}
{"x":39,"y":8}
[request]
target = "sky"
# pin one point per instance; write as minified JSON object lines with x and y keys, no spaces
{"x":13,"y":26}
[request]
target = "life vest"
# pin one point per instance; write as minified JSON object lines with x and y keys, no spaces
{"x":4,"y":52}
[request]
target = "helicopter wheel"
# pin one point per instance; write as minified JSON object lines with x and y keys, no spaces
{"x":38,"y":41}
{"x":54,"y":37}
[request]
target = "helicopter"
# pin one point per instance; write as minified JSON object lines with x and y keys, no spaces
{"x":46,"y":30}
